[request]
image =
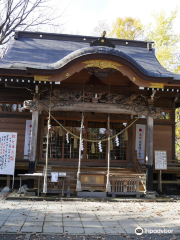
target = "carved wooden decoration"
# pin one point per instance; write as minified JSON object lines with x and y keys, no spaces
{"x":73,"y":100}
{"x":156,"y":85}
{"x":79,"y":96}
{"x":102,"y":64}
{"x":44,"y":78}
{"x":127,"y":105}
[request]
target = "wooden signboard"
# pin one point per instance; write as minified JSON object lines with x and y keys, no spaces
{"x":160,"y":160}
{"x":92,"y":179}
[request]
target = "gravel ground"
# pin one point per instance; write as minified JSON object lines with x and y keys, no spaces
{"x":87,"y":237}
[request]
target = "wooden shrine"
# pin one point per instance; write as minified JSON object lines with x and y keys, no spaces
{"x":56,"y":79}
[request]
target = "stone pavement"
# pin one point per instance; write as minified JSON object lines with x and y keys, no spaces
{"x":88,"y":218}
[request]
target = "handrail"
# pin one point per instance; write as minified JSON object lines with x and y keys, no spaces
{"x":138,"y":165}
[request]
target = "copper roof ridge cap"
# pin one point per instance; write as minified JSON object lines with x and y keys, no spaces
{"x":17,"y":34}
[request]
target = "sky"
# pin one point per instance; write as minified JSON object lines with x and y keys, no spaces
{"x":82,"y":16}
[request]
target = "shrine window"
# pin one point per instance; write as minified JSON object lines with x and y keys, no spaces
{"x":118,"y":146}
{"x":71,"y":144}
{"x":55,"y":148}
{"x":96,"y":131}
{"x":64,"y":146}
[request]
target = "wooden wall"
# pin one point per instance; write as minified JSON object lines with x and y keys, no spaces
{"x":15,"y":125}
{"x":163,"y":139}
{"x":162,"y":136}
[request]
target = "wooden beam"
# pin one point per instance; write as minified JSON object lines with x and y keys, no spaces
{"x":93,"y":107}
{"x":33,"y":143}
{"x":159,"y":181}
{"x":131,"y":150}
{"x":32,"y":155}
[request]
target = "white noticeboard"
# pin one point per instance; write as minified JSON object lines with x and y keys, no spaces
{"x":160,"y":160}
{"x":8,"y":143}
{"x":27,"y":137}
{"x":54,"y":176}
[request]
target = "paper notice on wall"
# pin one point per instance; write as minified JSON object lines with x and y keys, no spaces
{"x":54,"y":176}
{"x":140,"y":141}
{"x":8,"y":143}
{"x":27,"y":137}
{"x":160,"y":160}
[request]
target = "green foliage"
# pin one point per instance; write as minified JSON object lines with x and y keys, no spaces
{"x":127,"y":28}
{"x":161,"y":32}
{"x":177,"y":135}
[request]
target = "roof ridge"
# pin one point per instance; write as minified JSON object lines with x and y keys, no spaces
{"x":78,"y":38}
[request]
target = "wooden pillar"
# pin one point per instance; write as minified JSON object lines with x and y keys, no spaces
{"x":8,"y":181}
{"x":130,"y":142}
{"x":149,"y":154}
{"x":33,"y":144}
{"x":160,"y":181}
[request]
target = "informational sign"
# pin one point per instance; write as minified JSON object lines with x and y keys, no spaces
{"x":27,"y":137}
{"x":8,"y":143}
{"x":160,"y":160}
{"x":140,"y":141}
{"x":54,"y":176}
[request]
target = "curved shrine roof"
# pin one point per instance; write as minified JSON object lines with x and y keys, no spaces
{"x":52,"y":51}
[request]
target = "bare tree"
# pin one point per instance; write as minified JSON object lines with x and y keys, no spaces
{"x":27,"y":15}
{"x":102,"y":26}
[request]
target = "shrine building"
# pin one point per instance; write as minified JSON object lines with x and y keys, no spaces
{"x":99,"y":110}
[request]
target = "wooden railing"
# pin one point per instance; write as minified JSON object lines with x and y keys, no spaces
{"x":173,"y":164}
{"x":140,"y":165}
{"x":121,"y":185}
{"x":56,"y":187}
